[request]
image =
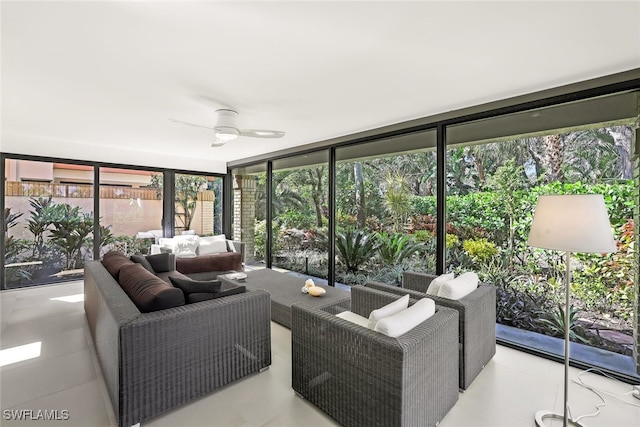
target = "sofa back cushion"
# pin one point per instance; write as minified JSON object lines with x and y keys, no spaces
{"x":160,"y":263}
{"x":114,"y":261}
{"x":212,"y":245}
{"x":142,"y":260}
{"x":213,"y":262}
{"x":148,"y":292}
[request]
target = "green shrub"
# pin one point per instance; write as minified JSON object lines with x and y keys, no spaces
{"x":480,"y":249}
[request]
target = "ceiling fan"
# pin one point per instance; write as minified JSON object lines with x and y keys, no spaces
{"x":226,"y":128}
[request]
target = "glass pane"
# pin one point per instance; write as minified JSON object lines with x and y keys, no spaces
{"x":300,"y":214}
{"x":48,"y":222}
{"x":493,"y":186}
{"x":386,"y":209}
{"x":197,"y":206}
{"x":130,"y":210}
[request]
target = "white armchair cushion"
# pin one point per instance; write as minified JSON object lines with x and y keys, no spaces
{"x":434,"y":286}
{"x":167,"y":242}
{"x":388,"y":310}
{"x":460,"y":286}
{"x":405,"y":320}
{"x":185,"y":246}
{"x":211,"y":245}
{"x":354,"y":318}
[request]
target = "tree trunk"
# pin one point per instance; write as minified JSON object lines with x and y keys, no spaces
{"x":554,"y":157}
{"x":358,"y":176}
{"x":622,"y":136}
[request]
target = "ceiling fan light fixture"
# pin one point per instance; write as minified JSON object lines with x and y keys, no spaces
{"x":225,"y":133}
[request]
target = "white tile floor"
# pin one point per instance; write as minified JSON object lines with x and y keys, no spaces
{"x":63,"y":377}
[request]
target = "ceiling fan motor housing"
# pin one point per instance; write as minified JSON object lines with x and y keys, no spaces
{"x":227,"y":126}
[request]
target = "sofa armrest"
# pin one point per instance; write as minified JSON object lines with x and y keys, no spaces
{"x":168,"y":357}
{"x":238,"y":246}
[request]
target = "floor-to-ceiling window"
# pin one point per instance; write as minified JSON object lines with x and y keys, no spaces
{"x":497,"y":168}
{"x":130,"y":210}
{"x":300,"y":213}
{"x":48,"y":221}
{"x":385,"y":208}
{"x":197,"y":204}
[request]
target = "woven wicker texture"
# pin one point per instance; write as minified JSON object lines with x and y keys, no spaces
{"x":154,"y":362}
{"x":363,"y":378}
{"x":477,"y":327}
{"x":285,"y":290}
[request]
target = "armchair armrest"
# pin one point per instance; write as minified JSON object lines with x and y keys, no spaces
{"x":237,"y":246}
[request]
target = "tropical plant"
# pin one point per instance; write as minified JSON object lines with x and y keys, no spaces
{"x":554,"y":323}
{"x":393,"y":248}
{"x":355,"y":247}
{"x":397,"y":200}
{"x":41,"y":219}
{"x":70,"y":232}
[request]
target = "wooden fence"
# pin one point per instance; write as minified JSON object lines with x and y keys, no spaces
{"x":84,"y":191}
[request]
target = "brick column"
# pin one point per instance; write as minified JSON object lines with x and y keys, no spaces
{"x":244,"y":213}
{"x":206,"y":200}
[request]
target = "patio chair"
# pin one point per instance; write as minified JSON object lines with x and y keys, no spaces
{"x":477,"y":312}
{"x":361,"y":377}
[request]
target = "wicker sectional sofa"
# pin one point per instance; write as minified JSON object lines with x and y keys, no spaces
{"x":155,"y":361}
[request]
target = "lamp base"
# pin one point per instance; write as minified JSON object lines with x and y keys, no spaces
{"x":544,"y":414}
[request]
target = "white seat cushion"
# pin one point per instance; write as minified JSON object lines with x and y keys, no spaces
{"x":388,"y":310}
{"x":405,"y":320}
{"x":354,"y":318}
{"x":434,"y":286}
{"x":460,"y":286}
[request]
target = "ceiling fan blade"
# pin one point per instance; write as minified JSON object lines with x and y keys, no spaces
{"x":191,"y":124}
{"x":262,"y":133}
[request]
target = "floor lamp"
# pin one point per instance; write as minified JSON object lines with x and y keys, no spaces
{"x":570,"y":223}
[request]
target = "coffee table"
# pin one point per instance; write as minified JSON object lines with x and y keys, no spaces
{"x":285,"y":290}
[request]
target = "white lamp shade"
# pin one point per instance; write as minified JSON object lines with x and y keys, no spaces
{"x":576,"y":223}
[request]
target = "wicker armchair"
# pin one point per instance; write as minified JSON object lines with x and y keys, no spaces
{"x":477,"y":320}
{"x":363,"y":378}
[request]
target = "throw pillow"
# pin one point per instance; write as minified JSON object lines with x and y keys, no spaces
{"x":459,"y":287}
{"x":114,"y":261}
{"x":434,"y":286}
{"x":148,"y":292}
{"x":405,"y":320}
{"x":211,"y":245}
{"x":160,"y":263}
{"x":142,"y":260}
{"x":189,"y":286}
{"x":388,"y":310}
{"x":185,"y":246}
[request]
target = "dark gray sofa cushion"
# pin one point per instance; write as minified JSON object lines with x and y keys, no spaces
{"x":142,"y":260}
{"x":161,"y":263}
{"x":189,"y":286}
{"x":147,"y":291}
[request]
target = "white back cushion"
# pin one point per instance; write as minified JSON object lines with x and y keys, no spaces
{"x":434,"y":286}
{"x":167,"y":242}
{"x":211,"y":245}
{"x":388,"y":310}
{"x":460,"y":286}
{"x":405,"y":320}
{"x":185,"y":246}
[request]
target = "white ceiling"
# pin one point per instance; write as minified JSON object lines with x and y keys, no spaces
{"x":100,"y":80}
